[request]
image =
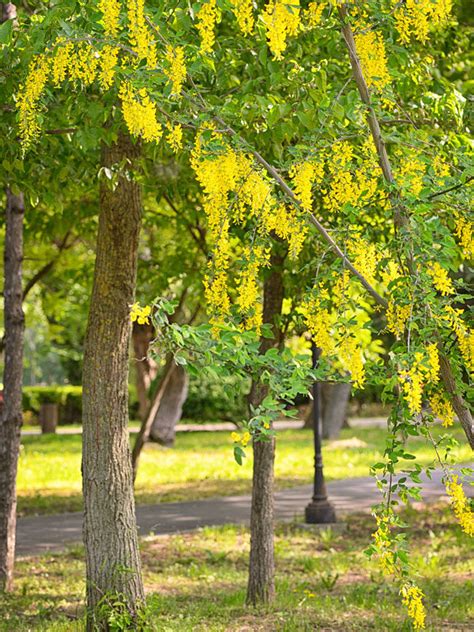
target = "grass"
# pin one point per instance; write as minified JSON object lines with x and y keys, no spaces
{"x":196,"y":582}
{"x":201,"y":465}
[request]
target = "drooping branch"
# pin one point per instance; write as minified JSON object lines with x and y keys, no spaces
{"x":400,"y":213}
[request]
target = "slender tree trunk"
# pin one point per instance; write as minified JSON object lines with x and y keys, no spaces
{"x":145,"y":367}
{"x":110,"y":533}
{"x":12,"y":416}
{"x":261,"y":583}
{"x":163,"y":429}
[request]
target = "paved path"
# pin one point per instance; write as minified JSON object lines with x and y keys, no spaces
{"x":39,"y":534}
{"x":360,"y":422}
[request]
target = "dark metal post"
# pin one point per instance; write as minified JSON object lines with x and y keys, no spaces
{"x":319,"y":510}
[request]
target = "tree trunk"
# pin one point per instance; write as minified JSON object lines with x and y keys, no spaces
{"x":12,"y":415}
{"x":261,"y":583}
{"x":163,"y":429}
{"x":145,"y":367}
{"x":48,"y":418}
{"x":113,"y":567}
{"x":335,"y":398}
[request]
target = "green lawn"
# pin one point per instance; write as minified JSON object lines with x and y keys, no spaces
{"x":196,"y":582}
{"x":201,"y":465}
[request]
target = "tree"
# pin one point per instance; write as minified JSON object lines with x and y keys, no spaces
{"x":110,"y":532}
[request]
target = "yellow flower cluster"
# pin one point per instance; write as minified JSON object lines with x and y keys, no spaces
{"x":140,"y":314}
{"x":441,"y":168}
{"x":243,"y":11}
{"x":208,"y":16}
{"x":415,"y":18}
{"x":313,"y":14}
{"x":464,"y":231}
{"x":410,"y":175}
{"x":28,"y":99}
{"x":176,"y":68}
{"x":286,"y":225}
{"x":83,"y":64}
{"x":423,"y":367}
{"x":373,"y":58}
{"x":460,"y":505}
{"x":140,"y":37}
{"x":364,"y":256}
{"x":60,"y":61}
{"x":304,"y":176}
{"x":442,"y":409}
{"x":243,"y":439}
{"x":382,"y":542}
{"x":108,"y":63}
{"x":282,"y":20}
{"x":110,"y":10}
{"x":412,"y":598}
{"x":139,"y":113}
{"x":247,"y":285}
{"x":174,"y":138}
{"x":464,"y":335}
{"x":397,"y":318}
{"x":440,"y":278}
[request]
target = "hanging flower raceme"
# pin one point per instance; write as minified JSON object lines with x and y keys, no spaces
{"x":412,"y":598}
{"x":28,"y":99}
{"x":60,"y":61}
{"x":410,"y":175}
{"x":313,"y":14}
{"x":110,"y":10}
{"x":174,"y":138}
{"x":304,"y":176}
{"x":442,"y":409}
{"x":207,"y":18}
{"x":440,"y":278}
{"x":460,"y":505}
{"x":421,"y":369}
{"x":175,"y":69}
{"x":83,"y":64}
{"x":140,"y":36}
{"x":139,"y":113}
{"x":243,"y":11}
{"x":282,"y":20}
{"x":373,"y":58}
{"x":415,"y":18}
{"x":464,"y":231}
{"x":108,"y":64}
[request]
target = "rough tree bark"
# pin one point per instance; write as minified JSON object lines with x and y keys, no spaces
{"x":334,"y":402}
{"x":110,"y":533}
{"x":12,"y":415}
{"x":261,"y":582}
{"x":163,"y":429}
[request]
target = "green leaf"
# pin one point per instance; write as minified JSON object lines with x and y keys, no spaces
{"x":6,"y":30}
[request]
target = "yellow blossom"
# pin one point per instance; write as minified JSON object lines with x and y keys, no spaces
{"x":442,"y":409}
{"x":243,"y":10}
{"x":282,"y":20}
{"x":60,"y":62}
{"x":207,"y":17}
{"x":415,"y":18}
{"x":304,"y":176}
{"x":110,"y":10}
{"x":139,"y":113}
{"x":174,"y":138}
{"x":410,"y":175}
{"x":83,"y":64}
{"x":28,"y":98}
{"x":235,"y":437}
{"x":397,"y":318}
{"x":440,"y":278}
{"x":140,"y":36}
{"x":382,"y":543}
{"x":140,"y":314}
{"x":176,"y":68}
{"x":373,"y":58}
{"x":464,"y":231}
{"x":412,"y":598}
{"x":433,"y":363}
{"x":460,"y":505}
{"x":108,"y":63}
{"x":313,"y":14}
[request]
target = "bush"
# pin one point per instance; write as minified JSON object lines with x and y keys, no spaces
{"x":68,"y":398}
{"x":216,"y":398}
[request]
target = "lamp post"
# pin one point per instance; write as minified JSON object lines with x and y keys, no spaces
{"x":319,"y":510}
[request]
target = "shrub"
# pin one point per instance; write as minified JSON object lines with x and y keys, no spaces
{"x":216,"y":398}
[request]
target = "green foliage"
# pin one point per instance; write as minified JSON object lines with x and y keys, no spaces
{"x":213,"y":396}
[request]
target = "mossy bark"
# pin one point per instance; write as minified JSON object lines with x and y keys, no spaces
{"x":113,"y":566}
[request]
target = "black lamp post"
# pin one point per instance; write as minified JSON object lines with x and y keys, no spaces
{"x":319,"y":510}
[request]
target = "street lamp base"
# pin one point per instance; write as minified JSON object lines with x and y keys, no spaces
{"x":320,"y":512}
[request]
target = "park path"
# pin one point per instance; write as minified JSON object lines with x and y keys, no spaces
{"x":40,"y":534}
{"x":283,"y":424}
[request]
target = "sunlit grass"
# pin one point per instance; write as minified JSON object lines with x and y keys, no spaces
{"x":201,"y":465}
{"x":324,"y":581}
